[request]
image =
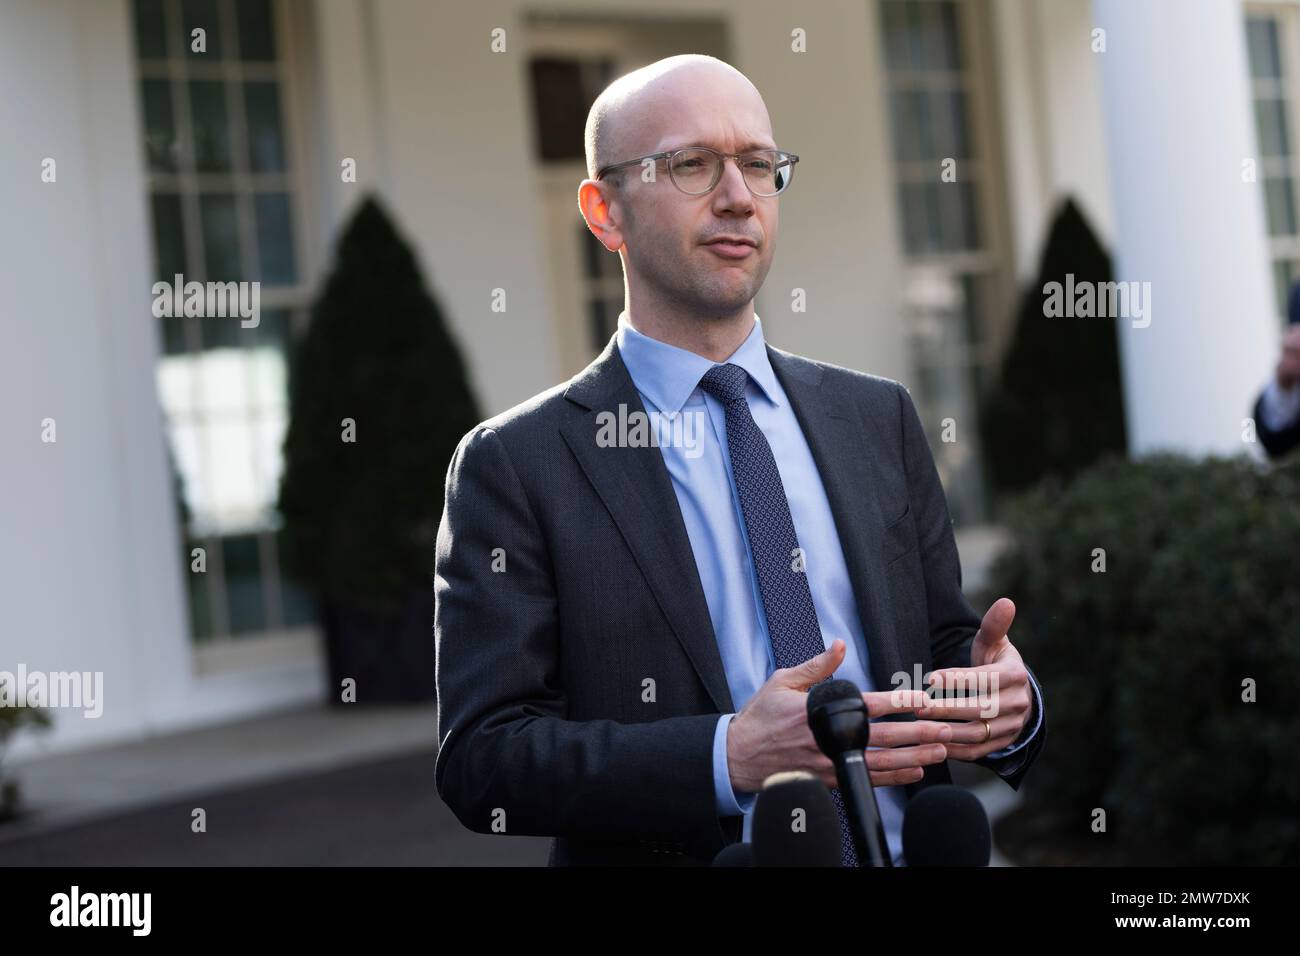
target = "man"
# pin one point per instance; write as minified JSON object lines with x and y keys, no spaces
{"x":1277,"y":410}
{"x":627,"y":631}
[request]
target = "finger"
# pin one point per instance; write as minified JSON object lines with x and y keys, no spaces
{"x":1011,"y":672}
{"x":897,"y":758}
{"x":975,"y":751}
{"x":896,"y":778}
{"x":815,"y":669}
{"x":899,"y":733}
{"x":997,"y":620}
{"x":992,"y":704}
{"x":970,"y":733}
{"x":881,"y":702}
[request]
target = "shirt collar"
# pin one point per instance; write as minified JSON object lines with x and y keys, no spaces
{"x":667,"y":375}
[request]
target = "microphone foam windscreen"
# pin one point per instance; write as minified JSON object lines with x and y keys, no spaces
{"x":946,"y":826}
{"x":830,"y":690}
{"x":795,"y":824}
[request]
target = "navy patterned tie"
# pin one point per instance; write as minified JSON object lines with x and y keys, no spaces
{"x":787,"y":600}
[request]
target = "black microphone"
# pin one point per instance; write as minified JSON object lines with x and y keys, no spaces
{"x":946,"y":826}
{"x":735,"y":854}
{"x":795,"y":823}
{"x":838,"y":717}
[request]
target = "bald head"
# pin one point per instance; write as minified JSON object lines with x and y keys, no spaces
{"x":688,"y":99}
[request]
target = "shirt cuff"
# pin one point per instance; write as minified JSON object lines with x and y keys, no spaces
{"x":1279,"y":407}
{"x":1024,"y":738}
{"x":729,"y":804}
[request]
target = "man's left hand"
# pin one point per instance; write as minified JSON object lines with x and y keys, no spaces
{"x":997,"y":679}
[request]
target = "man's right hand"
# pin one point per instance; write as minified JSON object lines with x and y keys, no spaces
{"x":771,"y":732}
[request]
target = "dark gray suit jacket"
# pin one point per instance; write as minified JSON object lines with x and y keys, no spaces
{"x":564,"y":578}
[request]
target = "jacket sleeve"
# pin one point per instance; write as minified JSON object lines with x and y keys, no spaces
{"x":1277,"y":442}
{"x":510,"y":760}
{"x":953,"y":622}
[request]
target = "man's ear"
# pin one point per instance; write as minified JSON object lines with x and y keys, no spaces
{"x":600,"y":210}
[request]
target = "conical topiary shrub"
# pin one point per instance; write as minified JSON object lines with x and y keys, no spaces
{"x":378,"y":402}
{"x":1058,"y":403}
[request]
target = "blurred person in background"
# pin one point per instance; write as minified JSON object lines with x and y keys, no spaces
{"x":1277,"y":410}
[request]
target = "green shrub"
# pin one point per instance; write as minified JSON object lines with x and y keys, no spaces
{"x":1142,"y":666}
{"x":361,"y":518}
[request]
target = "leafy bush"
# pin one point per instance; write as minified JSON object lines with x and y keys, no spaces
{"x":1142,"y":666}
{"x":1057,"y":405}
{"x":361,"y":517}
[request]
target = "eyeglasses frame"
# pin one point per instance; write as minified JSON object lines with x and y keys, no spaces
{"x":792,"y":159}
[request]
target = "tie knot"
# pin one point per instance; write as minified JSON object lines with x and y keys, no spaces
{"x":726,"y":383}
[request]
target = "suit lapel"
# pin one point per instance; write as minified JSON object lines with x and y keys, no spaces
{"x":634,"y":484}
{"x":838,"y":440}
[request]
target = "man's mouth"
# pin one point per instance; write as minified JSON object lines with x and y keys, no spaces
{"x":731,"y":248}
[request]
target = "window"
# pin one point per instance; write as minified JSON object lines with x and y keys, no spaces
{"x":223,"y":197}
{"x":1270,"y":39}
{"x":955,"y":282}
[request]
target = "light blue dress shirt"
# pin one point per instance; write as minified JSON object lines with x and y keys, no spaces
{"x":667,"y":379}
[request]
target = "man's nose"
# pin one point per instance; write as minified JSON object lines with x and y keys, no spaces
{"x":732,"y":192}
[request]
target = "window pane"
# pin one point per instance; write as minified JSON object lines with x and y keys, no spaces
{"x":159,"y":128}
{"x":211,"y":128}
{"x":897,"y":51}
{"x":907,"y":110}
{"x":178,"y":387}
{"x":225,"y":380}
{"x":1281,"y":207}
{"x":1283,"y":273}
{"x":938,"y":35}
{"x":269,"y":344}
{"x":201,"y":14}
{"x":1261,"y":37}
{"x":217,"y":333}
{"x":275,"y":239}
{"x":912,"y":209}
{"x":256,"y":31}
{"x":270,"y":460}
{"x":299,"y":606}
{"x":265,"y":139}
{"x":1270,"y":121}
{"x":150,"y":30}
{"x":173,"y":335}
{"x":948,"y":118}
{"x":197,"y":584}
{"x":235,"y":502}
{"x":168,"y":235}
{"x":220,"y":237}
{"x":243,"y":566}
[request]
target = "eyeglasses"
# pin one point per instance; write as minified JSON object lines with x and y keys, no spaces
{"x":695,"y":170}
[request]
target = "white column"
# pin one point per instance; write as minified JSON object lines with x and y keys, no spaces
{"x":1179,"y":123}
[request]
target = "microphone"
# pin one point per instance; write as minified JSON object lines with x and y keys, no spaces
{"x":795,"y":823}
{"x":946,"y":826}
{"x":837,"y":715}
{"x":735,"y":854}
